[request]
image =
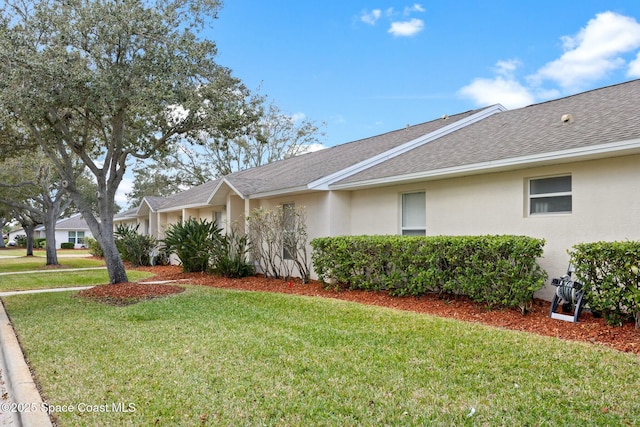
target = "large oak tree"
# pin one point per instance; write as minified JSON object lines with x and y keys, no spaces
{"x":110,"y":81}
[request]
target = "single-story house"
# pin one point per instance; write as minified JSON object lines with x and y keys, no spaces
{"x":72,"y":229}
{"x":566,"y":170}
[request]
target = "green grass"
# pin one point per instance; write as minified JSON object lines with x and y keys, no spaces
{"x":249,"y":358}
{"x":61,"y":279}
{"x":38,"y":263}
{"x":13,"y":251}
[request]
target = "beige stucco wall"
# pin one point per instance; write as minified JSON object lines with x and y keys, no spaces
{"x":606,"y":206}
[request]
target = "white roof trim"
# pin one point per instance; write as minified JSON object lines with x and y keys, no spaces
{"x":224,"y":180}
{"x":582,"y":153}
{"x":182,"y":207}
{"x":281,"y":192}
{"x":233,"y":187}
{"x":325,"y":182}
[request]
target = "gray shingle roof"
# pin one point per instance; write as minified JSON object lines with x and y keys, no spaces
{"x":299,"y":171}
{"x":74,"y":222}
{"x":606,"y":115}
{"x":198,"y":195}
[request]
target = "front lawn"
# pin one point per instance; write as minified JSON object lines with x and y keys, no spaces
{"x":220,"y":357}
{"x":8,"y":265}
{"x":61,"y":279}
{"x":15,"y":251}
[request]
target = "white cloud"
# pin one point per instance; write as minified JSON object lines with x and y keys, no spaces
{"x":121,"y":194}
{"x":406,"y":28}
{"x":298,"y":116}
{"x":314,"y":147}
{"x":508,"y":67}
{"x":398,"y":28}
{"x":415,"y":8}
{"x":500,"y":90}
{"x":634,"y":67}
{"x":371,"y":17}
{"x":594,"y":52}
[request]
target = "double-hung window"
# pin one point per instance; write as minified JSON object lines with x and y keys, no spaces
{"x":550,"y":195}
{"x":76,"y":237}
{"x":414,"y":214}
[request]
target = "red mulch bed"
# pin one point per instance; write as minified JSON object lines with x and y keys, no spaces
{"x":589,"y":329}
{"x":129,"y":293}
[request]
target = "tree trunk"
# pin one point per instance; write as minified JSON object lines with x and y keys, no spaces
{"x":103,"y":232}
{"x":115,"y":266}
{"x":28,"y":230}
{"x":50,"y":233}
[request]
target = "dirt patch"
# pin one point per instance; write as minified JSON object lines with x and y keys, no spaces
{"x":590,"y":329}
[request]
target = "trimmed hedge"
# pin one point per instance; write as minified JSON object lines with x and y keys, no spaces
{"x":499,"y":271}
{"x":611,"y":279}
{"x":67,"y":245}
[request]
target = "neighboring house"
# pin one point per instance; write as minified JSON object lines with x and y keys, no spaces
{"x":566,"y":170}
{"x":13,"y":233}
{"x":73,"y":230}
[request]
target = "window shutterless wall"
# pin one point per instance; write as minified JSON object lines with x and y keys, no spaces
{"x":605,"y":205}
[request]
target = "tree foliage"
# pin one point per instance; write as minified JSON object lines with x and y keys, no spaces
{"x":109,"y":81}
{"x":276,"y":136}
{"x":32,"y":187}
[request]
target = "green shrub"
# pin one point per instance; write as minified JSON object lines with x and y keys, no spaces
{"x":499,"y":271}
{"x":133,"y":247}
{"x":232,"y":260}
{"x":94,"y":247}
{"x":67,"y":245}
{"x":610,"y":275}
{"x":21,"y":240}
{"x":196,"y":242}
{"x":39,"y":242}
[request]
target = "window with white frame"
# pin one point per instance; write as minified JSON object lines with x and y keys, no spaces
{"x":76,"y":237}
{"x":217,"y":218}
{"x":289,"y":224}
{"x":550,"y":195}
{"x":414,"y":214}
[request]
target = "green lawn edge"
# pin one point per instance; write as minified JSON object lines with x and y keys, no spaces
{"x":220,"y":357}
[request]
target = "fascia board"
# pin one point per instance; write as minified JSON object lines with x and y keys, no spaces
{"x":325,"y":183}
{"x":577,"y":154}
{"x":145,"y":201}
{"x":182,"y":207}
{"x":281,"y":192}
{"x":219,"y":186}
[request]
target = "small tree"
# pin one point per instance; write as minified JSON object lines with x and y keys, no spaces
{"x":279,"y":241}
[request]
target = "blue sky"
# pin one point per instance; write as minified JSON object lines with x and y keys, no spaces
{"x":368,"y":67}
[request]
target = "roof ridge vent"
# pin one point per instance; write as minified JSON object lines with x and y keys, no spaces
{"x":567,"y":118}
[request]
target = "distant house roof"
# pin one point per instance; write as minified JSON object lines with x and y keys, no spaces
{"x":74,"y":222}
